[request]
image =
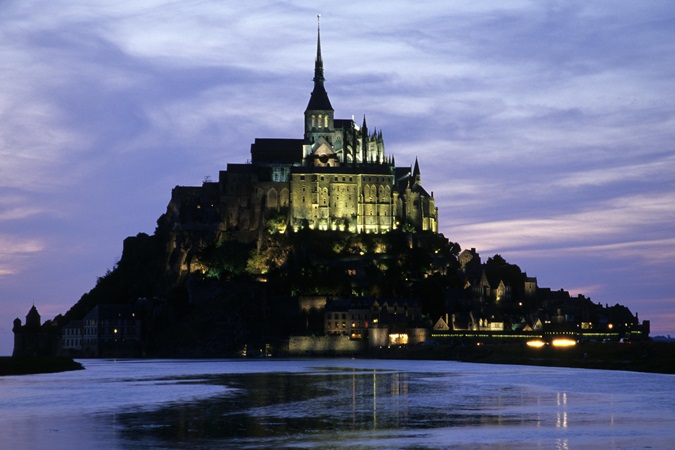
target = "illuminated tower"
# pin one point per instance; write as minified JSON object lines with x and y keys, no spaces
{"x":319,"y":112}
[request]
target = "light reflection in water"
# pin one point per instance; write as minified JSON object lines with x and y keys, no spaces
{"x":374,"y":399}
{"x":561,"y":402}
{"x":561,"y":419}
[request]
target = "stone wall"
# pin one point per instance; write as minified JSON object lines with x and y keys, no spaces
{"x":324,"y":345}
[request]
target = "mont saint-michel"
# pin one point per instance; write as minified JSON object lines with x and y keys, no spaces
{"x":319,"y":244}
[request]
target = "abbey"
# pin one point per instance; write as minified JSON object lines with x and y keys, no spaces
{"x":337,"y":177}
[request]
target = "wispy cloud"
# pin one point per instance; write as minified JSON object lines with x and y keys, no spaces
{"x":14,"y":250}
{"x":609,"y":223}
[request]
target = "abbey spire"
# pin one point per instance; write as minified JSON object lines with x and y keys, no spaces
{"x":318,"y":63}
{"x":319,"y":112}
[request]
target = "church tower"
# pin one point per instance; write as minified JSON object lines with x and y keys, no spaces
{"x":319,"y":113}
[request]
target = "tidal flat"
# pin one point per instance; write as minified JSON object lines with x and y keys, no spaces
{"x":335,"y":403}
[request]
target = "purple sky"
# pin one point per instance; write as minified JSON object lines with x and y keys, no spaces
{"x":546,"y":130}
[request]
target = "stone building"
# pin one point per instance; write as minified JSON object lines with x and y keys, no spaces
{"x":71,"y":338}
{"x":111,"y":330}
{"x":336,"y":177}
{"x":34,"y":338}
{"x":381,"y":322}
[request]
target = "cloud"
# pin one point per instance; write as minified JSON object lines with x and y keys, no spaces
{"x":9,"y":247}
{"x":587,"y":290}
{"x":606,"y":225}
{"x":661,"y":168}
{"x":651,"y":254}
{"x":13,"y":252}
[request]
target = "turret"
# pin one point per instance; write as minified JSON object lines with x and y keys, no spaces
{"x":33,"y":318}
{"x":417,"y":177}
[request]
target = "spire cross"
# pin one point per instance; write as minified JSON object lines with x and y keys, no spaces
{"x":318,"y":68}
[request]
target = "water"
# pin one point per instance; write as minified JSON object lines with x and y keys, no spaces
{"x":335,"y":403}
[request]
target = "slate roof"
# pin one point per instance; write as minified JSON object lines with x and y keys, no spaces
{"x":319,"y":99}
{"x":276,"y":151}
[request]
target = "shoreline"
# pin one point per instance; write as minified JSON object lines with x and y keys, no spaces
{"x":641,"y":356}
{"x":645,"y":356}
{"x":30,"y":365}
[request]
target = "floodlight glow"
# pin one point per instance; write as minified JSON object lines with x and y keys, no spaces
{"x":563,"y":342}
{"x":398,"y":339}
{"x":537,"y":343}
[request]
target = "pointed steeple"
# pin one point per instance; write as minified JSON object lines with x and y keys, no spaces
{"x":364,"y":131}
{"x":319,"y":98}
{"x":318,"y":63}
{"x":416,"y":172}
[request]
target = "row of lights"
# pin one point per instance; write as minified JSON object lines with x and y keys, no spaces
{"x":558,"y":342}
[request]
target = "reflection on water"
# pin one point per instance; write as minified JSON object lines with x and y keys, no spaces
{"x":330,"y":405}
{"x":561,"y":402}
{"x":335,"y":403}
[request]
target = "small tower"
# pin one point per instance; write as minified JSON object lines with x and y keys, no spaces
{"x":417,"y":177}
{"x":30,"y":339}
{"x":33,"y":319}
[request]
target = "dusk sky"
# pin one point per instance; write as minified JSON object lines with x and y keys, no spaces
{"x":545,"y":129}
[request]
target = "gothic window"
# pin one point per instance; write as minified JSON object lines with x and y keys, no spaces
{"x":272,"y":198}
{"x":283,"y":198}
{"x":320,"y":120}
{"x":313,"y":121}
{"x":325,"y":121}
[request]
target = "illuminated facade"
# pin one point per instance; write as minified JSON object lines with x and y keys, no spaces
{"x":337,"y":177}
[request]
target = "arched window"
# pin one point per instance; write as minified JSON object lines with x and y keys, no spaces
{"x":320,"y":120}
{"x":325,"y":121}
{"x":272,"y":199}
{"x":313,"y":121}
